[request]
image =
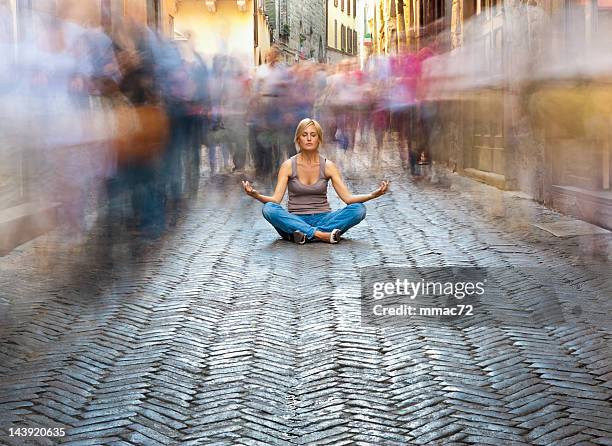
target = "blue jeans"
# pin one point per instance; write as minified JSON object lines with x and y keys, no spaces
{"x":286,"y":223}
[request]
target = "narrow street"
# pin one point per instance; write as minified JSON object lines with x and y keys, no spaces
{"x":222,"y":333}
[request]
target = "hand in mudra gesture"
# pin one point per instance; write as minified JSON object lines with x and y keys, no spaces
{"x":382,"y":189}
{"x":249,"y":189}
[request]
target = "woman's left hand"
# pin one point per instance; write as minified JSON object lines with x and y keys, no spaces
{"x":249,"y":189}
{"x":384,"y":186}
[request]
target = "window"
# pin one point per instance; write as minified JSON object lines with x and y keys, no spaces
{"x":354,"y":8}
{"x":335,"y":33}
{"x":336,"y":3}
{"x":354,"y":42}
{"x":349,"y":41}
{"x":440,"y":9}
{"x":153,"y":14}
{"x":422,"y":18}
{"x":348,"y":7}
{"x":343,"y":38}
{"x":342,"y":5}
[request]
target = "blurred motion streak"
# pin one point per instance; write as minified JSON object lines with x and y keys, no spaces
{"x":107,"y":105}
{"x":517,"y":94}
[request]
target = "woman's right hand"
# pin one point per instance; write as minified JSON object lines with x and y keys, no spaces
{"x":249,"y":189}
{"x":384,"y":186}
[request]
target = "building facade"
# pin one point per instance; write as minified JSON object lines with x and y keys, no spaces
{"x":156,"y":13}
{"x":513,"y":115}
{"x":342,"y":35}
{"x":539,"y":133}
{"x":298,"y":29}
{"x":239,"y":28}
{"x":399,"y":25}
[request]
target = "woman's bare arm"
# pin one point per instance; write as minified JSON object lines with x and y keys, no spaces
{"x":279,"y":191}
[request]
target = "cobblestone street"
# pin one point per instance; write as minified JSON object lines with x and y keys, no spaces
{"x":222,"y":333}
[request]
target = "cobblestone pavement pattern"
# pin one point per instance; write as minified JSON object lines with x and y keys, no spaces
{"x":221,"y":333}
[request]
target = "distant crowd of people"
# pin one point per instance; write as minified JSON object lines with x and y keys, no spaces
{"x":120,"y":118}
{"x":388,"y":94}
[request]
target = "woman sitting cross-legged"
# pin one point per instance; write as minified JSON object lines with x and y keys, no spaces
{"x":306,"y":175}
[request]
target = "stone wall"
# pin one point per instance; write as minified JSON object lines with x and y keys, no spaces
{"x":306,"y":22}
{"x":451,"y":143}
{"x":553,"y":146}
{"x":271,"y":10}
{"x":522,"y":164}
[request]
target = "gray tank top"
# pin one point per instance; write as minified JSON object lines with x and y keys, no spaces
{"x":304,"y":199}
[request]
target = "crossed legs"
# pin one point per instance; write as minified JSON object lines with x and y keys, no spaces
{"x":317,"y":226}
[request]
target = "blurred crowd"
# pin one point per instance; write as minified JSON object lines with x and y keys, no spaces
{"x":116,"y":121}
{"x":385,"y":95}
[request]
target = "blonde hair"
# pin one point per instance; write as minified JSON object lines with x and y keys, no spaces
{"x":300,"y":128}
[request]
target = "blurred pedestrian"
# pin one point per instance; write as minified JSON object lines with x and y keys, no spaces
{"x":269,"y":114}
